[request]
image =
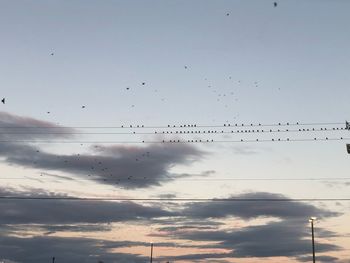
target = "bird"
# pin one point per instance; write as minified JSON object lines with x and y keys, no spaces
{"x":52,"y":54}
{"x":48,"y":112}
{"x":83,"y":107}
{"x":275,"y":4}
{"x":143,"y":83}
{"x":227,"y":14}
{"x":3,"y":100}
{"x":127,"y":88}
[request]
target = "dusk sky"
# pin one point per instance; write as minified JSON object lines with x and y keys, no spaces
{"x":117,"y":101}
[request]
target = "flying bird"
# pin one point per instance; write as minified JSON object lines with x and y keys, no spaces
{"x":143,"y":83}
{"x":52,"y":54}
{"x":3,"y":100}
{"x":83,"y":107}
{"x":275,"y":4}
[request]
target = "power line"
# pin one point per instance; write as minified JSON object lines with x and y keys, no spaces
{"x":176,"y":126}
{"x":323,"y":129}
{"x":193,"y":179}
{"x":177,"y":199}
{"x":174,"y":141}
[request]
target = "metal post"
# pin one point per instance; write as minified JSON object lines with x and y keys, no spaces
{"x":151,"y":252}
{"x":313,"y":241}
{"x":53,"y":260}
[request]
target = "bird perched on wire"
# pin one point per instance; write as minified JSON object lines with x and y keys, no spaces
{"x":3,"y":100}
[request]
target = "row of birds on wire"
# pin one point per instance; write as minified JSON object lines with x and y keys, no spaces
{"x":177,"y":126}
{"x":165,"y":132}
{"x":176,"y":140}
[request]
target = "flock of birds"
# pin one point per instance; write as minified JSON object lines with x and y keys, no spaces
{"x":220,"y":96}
{"x":97,"y":170}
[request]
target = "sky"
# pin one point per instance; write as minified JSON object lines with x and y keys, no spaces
{"x":117,"y":101}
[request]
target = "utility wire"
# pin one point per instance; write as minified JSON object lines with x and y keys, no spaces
{"x":177,"y":199}
{"x":179,"y":141}
{"x":175,"y":126}
{"x":325,"y":129}
{"x":42,"y":178}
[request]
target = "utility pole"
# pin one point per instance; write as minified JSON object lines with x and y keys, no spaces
{"x":53,"y":260}
{"x":151,"y":252}
{"x":311,"y":220}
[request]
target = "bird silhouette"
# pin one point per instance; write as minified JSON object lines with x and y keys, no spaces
{"x":83,"y":107}
{"x":52,"y":54}
{"x":275,"y":4}
{"x":143,"y":83}
{"x":3,"y":100}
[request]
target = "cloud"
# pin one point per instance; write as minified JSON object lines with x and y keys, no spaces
{"x":285,"y":238}
{"x":73,"y":249}
{"x":63,"y":211}
{"x":166,"y":196}
{"x":68,"y":211}
{"x":130,"y":167}
{"x":14,"y":127}
{"x":68,"y":250}
{"x":49,"y":229}
{"x":289,"y":236}
{"x":249,"y":210}
{"x":125,"y":166}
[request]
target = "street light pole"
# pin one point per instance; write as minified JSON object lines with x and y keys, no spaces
{"x":311,"y":220}
{"x":151,"y":252}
